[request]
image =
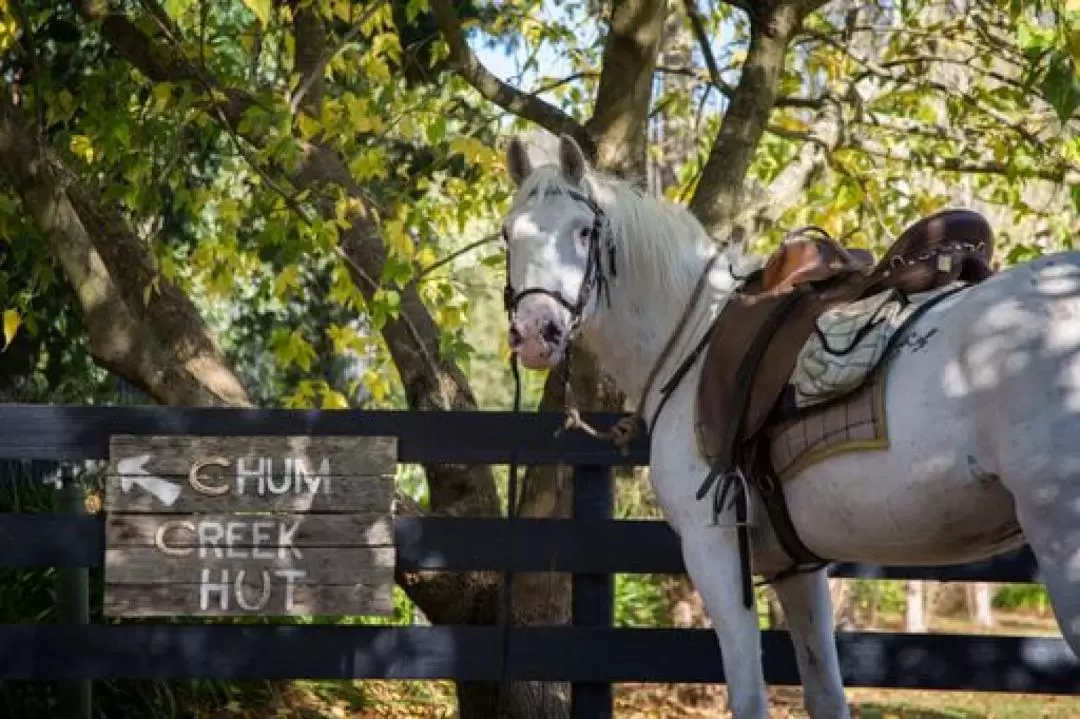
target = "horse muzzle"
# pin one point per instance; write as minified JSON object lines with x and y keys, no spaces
{"x":538,"y":344}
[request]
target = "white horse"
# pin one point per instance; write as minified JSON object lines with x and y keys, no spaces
{"x":983,"y":416}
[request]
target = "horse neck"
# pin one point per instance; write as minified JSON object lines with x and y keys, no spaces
{"x":630,"y":334}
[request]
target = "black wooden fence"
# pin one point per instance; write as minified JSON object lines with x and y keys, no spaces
{"x":592,"y":654}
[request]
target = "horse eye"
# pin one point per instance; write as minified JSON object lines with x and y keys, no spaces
{"x":584,"y":234}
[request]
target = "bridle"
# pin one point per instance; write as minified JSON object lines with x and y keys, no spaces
{"x":595,"y":279}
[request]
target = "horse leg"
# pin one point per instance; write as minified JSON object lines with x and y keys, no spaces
{"x":808,"y":610}
{"x":711,"y":555}
{"x":1051,"y":530}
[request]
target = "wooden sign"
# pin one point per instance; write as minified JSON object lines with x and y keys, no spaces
{"x":248,"y":526}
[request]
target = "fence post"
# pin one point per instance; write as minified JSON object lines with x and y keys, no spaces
{"x":593,"y":599}
{"x":72,"y":599}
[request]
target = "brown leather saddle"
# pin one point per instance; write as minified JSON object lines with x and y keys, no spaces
{"x":756,"y":340}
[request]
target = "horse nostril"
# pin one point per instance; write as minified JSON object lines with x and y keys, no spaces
{"x":551,"y":333}
{"x":515,"y":338}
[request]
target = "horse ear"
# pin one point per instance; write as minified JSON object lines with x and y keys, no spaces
{"x":517,"y":161}
{"x":571,"y":159}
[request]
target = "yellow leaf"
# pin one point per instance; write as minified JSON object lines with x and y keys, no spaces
{"x":359,"y":118}
{"x":1001,"y":152}
{"x":11,"y":325}
{"x":473,"y":150}
{"x":425,"y":257}
{"x":309,"y":126}
{"x":376,"y":384}
{"x":162,"y":95}
{"x":261,"y":9}
{"x":790,"y":122}
{"x":301,"y":352}
{"x":397,"y":238}
{"x":451,"y":317}
{"x":376,"y":70}
{"x":285,"y":280}
{"x":338,"y":9}
{"x":81,"y":146}
{"x":832,"y":222}
{"x":369,"y":164}
{"x":332,"y":399}
{"x":8,"y":32}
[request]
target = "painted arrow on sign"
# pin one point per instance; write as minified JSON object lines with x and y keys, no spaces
{"x":134,"y":472}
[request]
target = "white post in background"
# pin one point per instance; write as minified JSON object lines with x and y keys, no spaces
{"x":915,"y":613}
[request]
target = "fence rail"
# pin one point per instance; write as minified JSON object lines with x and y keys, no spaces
{"x":462,"y":545}
{"x":591,"y":654}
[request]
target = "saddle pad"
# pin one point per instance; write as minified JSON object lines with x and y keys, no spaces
{"x":849,"y":341}
{"x":853,"y":424}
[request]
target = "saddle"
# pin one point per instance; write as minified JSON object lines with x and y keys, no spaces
{"x":755,"y":342}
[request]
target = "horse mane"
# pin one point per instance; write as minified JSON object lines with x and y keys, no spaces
{"x":654,"y":237}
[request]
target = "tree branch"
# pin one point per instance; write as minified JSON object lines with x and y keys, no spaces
{"x":460,"y":252}
{"x":620,"y":117}
{"x":312,"y":58}
{"x":873,"y":69}
{"x":312,"y":55}
{"x":468,"y":65}
{"x":720,"y":187}
{"x":697,"y":26}
{"x":139,"y":324}
{"x":1062,"y":173}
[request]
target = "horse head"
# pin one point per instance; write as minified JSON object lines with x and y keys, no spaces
{"x":559,"y":255}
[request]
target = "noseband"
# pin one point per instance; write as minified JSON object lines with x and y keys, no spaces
{"x":595,"y":277}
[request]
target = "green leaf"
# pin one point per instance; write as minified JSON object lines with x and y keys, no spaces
{"x":1060,"y":86}
{"x":1020,"y":253}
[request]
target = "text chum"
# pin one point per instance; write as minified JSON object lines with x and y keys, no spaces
{"x":263,"y":476}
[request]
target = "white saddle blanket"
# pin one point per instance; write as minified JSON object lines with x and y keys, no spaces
{"x":849,"y":341}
